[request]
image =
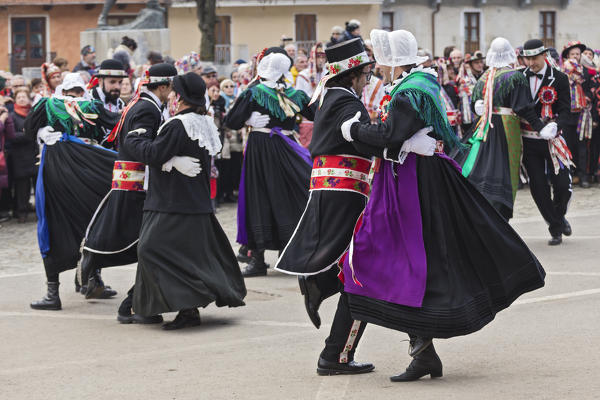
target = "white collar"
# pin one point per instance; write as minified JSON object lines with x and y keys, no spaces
{"x":351,"y":90}
{"x":152,"y":96}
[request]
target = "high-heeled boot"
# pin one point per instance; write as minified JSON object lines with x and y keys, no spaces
{"x":427,"y":362}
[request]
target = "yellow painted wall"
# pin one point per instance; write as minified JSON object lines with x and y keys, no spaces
{"x":259,"y":27}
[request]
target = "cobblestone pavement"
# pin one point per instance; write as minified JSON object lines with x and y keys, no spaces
{"x":543,"y":347}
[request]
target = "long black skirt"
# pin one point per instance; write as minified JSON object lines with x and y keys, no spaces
{"x":276,"y":190}
{"x":72,"y":181}
{"x":185,"y":261}
{"x":323,"y":233}
{"x":477,"y":265}
{"x":491,"y":172}
{"x":113,"y":233}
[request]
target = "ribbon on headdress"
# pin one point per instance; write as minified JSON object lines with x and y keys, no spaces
{"x":485,"y":122}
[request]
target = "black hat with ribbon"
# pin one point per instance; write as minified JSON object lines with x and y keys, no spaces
{"x":160,"y":73}
{"x":533,"y":47}
{"x":191,"y":88}
{"x":111,"y":68}
{"x":343,"y":58}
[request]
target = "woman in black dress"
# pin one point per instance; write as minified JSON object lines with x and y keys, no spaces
{"x":185,"y":260}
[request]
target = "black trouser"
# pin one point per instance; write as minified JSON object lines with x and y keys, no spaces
{"x":344,"y":335}
{"x":225,"y":180}
{"x":594,"y":153}
{"x":537,"y":161}
{"x":578,"y":148}
{"x":22,"y":194}
{"x":237,"y":158}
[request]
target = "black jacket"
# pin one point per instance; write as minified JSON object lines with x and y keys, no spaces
{"x":173,"y":192}
{"x":338,"y":106}
{"x":561,"y":109}
{"x":23,"y":151}
{"x":145,"y":115}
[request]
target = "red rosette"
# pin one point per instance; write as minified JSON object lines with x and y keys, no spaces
{"x":548,"y":97}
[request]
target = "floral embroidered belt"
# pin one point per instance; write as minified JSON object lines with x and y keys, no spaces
{"x":128,"y":175}
{"x":453,"y":117}
{"x":504,"y":111}
{"x":528,"y":131}
{"x":341,"y":172}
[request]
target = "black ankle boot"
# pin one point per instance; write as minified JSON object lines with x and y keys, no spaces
{"x":425,"y":363}
{"x":242,"y":255}
{"x":96,"y":289}
{"x":51,"y":301}
{"x":417,"y":345}
{"x":184,"y":319}
{"x":77,"y":284}
{"x":256,"y":266}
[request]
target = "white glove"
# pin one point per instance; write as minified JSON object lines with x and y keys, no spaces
{"x":419,"y":143}
{"x":346,"y":125}
{"x":188,"y":166}
{"x":48,"y":135}
{"x":258,"y":120}
{"x":549,"y":131}
{"x":479,"y":107}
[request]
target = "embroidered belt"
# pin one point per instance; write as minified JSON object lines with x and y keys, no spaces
{"x":453,"y":117}
{"x":267,"y":130}
{"x":128,"y":175}
{"x":504,"y":111}
{"x":528,"y":131}
{"x":341,"y":172}
{"x":559,"y":151}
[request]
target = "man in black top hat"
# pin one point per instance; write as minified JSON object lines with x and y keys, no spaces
{"x":335,"y":204}
{"x":112,"y":235}
{"x":109,"y":78}
{"x":551,"y":94}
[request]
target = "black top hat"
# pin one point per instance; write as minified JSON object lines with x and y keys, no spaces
{"x":572,"y":45}
{"x":346,"y":56}
{"x":191,"y":88}
{"x":162,"y":73}
{"x":112,"y":68}
{"x":533,"y":47}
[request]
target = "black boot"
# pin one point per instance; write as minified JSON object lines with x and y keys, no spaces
{"x":184,"y":319}
{"x":312,"y":298}
{"x":51,"y":301}
{"x":417,"y":345}
{"x":242,"y":254}
{"x":425,"y":363}
{"x":256,"y":266}
{"x":77,"y":284}
{"x":567,"y":230}
{"x":96,"y":289}
{"x":556,"y":240}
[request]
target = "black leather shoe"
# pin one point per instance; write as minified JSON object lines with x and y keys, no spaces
{"x":184,"y":319}
{"x":567,"y":231}
{"x":242,"y":255}
{"x":325,"y":367}
{"x":555,"y":241}
{"x":312,"y":298}
{"x":425,"y":363}
{"x":417,"y":345}
{"x":138,"y":319}
{"x":51,"y":300}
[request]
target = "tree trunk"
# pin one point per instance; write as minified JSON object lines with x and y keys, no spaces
{"x":206,"y":12}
